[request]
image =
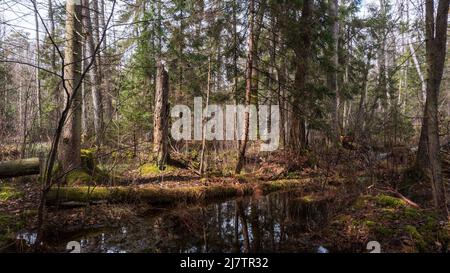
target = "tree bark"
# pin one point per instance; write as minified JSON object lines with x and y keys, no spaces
{"x":69,"y":153}
{"x":93,"y":73}
{"x":332,"y":74}
{"x":20,"y":167}
{"x":208,"y":89}
{"x":161,"y":116}
{"x":248,"y":90}
{"x":105,"y":69}
{"x":297,"y":139}
{"x":38,"y":63}
{"x":429,"y":147}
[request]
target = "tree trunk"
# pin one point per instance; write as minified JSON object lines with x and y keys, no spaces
{"x":93,"y":73}
{"x":332,"y":74}
{"x":105,"y":69}
{"x":38,"y":63}
{"x":20,"y":167}
{"x":428,"y":157}
{"x":69,"y":154}
{"x":208,"y":89}
{"x":248,"y":90}
{"x":161,"y":116}
{"x":297,"y":138}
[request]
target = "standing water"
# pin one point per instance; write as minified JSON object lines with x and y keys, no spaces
{"x":278,"y":222}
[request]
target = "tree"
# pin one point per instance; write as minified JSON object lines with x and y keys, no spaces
{"x":161,"y":116}
{"x":332,"y":77}
{"x":248,"y":89}
{"x":428,"y":155}
{"x":97,"y":101}
{"x":70,"y":151}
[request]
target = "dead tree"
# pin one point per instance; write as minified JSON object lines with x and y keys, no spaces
{"x":161,"y":116}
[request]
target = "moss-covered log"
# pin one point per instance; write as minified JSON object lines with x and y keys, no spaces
{"x":20,"y":167}
{"x":157,"y":195}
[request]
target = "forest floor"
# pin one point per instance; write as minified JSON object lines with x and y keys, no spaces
{"x":370,"y":200}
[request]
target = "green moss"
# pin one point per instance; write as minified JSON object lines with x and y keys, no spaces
{"x":412,"y":213}
{"x":307,"y":198}
{"x":157,"y":195}
{"x":153,"y":169}
{"x":88,"y":159}
{"x":78,"y":177}
{"x":9,"y":193}
{"x":383,"y":231}
{"x":417,"y":238}
{"x":389,"y":201}
{"x":369,"y":223}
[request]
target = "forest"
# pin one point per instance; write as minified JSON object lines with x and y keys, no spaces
{"x":224,"y":126}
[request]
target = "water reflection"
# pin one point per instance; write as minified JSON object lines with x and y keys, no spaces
{"x":277,"y":222}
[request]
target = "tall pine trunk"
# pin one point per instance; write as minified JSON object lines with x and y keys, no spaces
{"x":69,"y":153}
{"x":94,"y":73}
{"x":248,"y":90}
{"x":161,"y":116}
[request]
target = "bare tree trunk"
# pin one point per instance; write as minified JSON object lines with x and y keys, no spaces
{"x":332,"y":74}
{"x":208,"y":88}
{"x":429,"y":153}
{"x":38,"y":64}
{"x":83,"y":96}
{"x":94,"y":73}
{"x":161,"y":116}
{"x":423,"y":83}
{"x":105,"y":68}
{"x":69,"y":154}
{"x":248,"y":90}
{"x":297,"y":139}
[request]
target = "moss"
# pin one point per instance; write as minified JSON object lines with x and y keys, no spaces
{"x":417,"y":238}
{"x":9,"y":193}
{"x":157,"y":195}
{"x":412,"y":213}
{"x":88,"y":159}
{"x":307,"y":198}
{"x":389,"y":201}
{"x":78,"y":177}
{"x":153,"y":169}
{"x":369,"y":223}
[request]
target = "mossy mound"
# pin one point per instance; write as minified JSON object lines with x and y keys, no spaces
{"x":9,"y":193}
{"x":89,"y":173}
{"x":397,"y":226}
{"x":151,"y":169}
{"x":79,"y":177}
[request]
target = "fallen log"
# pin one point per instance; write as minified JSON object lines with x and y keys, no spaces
{"x":20,"y":167}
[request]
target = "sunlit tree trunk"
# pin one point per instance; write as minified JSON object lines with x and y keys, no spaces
{"x":69,"y":152}
{"x":161,"y":116}
{"x":94,"y":72}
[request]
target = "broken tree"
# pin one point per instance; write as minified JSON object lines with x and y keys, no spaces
{"x":161,"y":116}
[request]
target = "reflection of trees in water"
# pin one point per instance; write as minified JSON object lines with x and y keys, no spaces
{"x":276,"y":222}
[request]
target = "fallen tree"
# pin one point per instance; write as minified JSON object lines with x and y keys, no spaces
{"x":20,"y":167}
{"x":158,"y":196}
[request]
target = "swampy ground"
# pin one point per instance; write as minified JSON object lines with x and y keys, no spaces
{"x":281,"y":203}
